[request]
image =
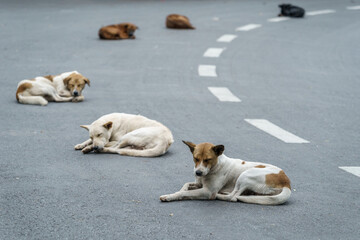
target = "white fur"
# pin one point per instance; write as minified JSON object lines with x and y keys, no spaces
{"x":132,"y":135}
{"x":228,"y":179}
{"x":44,"y":90}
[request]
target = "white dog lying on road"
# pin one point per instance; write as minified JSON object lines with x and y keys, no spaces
{"x":127,"y":134}
{"x":65,"y":87}
{"x":230,"y":179}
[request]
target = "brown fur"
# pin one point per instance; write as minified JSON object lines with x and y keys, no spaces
{"x":22,"y":88}
{"x":205,"y":153}
{"x":279,"y":180}
{"x":76,"y":81}
{"x":260,"y":166}
{"x":49,"y":77}
{"x":178,"y":21}
{"x":118,"y":31}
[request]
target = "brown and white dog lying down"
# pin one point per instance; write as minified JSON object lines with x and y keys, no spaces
{"x":230,"y":179}
{"x":65,"y":87}
{"x":118,"y":31}
{"x":127,"y":134}
{"x":178,"y":21}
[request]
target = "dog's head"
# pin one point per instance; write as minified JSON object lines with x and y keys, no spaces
{"x":75,"y":83}
{"x":205,"y":156}
{"x":99,"y":134}
{"x":130,"y":28}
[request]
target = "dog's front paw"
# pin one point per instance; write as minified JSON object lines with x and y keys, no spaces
{"x":78,"y":99}
{"x":165,"y":198}
{"x":78,"y":147}
{"x":87,"y":149}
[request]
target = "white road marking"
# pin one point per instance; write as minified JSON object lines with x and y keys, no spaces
{"x":213,"y":52}
{"x":207,"y":71}
{"x":276,"y":131}
{"x":223,"y":94}
{"x":353,"y":170}
{"x":226,"y":38}
{"x":278,"y":19}
{"x":248,"y":27}
{"x":354,"y":8}
{"x":326,"y":11}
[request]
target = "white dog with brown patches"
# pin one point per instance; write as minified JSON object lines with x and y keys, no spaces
{"x":229,"y":179}
{"x":127,"y":134}
{"x":65,"y":87}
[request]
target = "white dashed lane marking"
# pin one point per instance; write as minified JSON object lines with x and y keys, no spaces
{"x":276,"y":131}
{"x":326,"y":11}
{"x":354,"y":8}
{"x":213,"y":52}
{"x":248,"y":27}
{"x":226,"y":38}
{"x":278,"y":19}
{"x":352,"y":170}
{"x":207,"y":71}
{"x":223,"y":94}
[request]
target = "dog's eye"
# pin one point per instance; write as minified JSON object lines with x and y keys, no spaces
{"x":196,"y":160}
{"x":99,"y":135}
{"x":206,"y":160}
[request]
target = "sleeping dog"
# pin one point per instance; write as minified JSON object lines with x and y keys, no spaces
{"x":118,"y":31}
{"x":127,"y":134}
{"x":230,"y":179}
{"x":65,"y":87}
{"x":288,"y":10}
{"x":178,"y":21}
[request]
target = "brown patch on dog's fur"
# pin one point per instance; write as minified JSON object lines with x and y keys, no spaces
{"x":22,"y":88}
{"x":260,"y":166}
{"x":243,"y":162}
{"x":76,"y":81}
{"x":178,"y":21}
{"x":205,"y":153}
{"x":118,"y":31}
{"x":278,"y":180}
{"x":49,"y":77}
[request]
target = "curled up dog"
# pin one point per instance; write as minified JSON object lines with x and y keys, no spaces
{"x":118,"y":31}
{"x":127,"y":134}
{"x":229,"y":179}
{"x":65,"y":87}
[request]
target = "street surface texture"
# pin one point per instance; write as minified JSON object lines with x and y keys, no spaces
{"x":301,"y":75}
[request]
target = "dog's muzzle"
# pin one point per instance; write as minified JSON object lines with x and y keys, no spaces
{"x":76,"y":93}
{"x":198,"y":173}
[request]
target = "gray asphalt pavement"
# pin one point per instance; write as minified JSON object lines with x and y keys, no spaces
{"x":301,"y":74}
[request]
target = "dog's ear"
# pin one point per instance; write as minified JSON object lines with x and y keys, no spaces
{"x":108,"y":125}
{"x":85,"y":126}
{"x":66,"y":80}
{"x":218,"y":149}
{"x":87,"y":81}
{"x":190,"y":145}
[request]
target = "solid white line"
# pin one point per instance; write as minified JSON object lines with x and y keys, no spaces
{"x":248,"y":27}
{"x":213,"y":52}
{"x":326,"y":11}
{"x":223,"y":94}
{"x":354,"y":8}
{"x":278,"y":19}
{"x":353,"y":170}
{"x":226,"y":38}
{"x":276,"y":131}
{"x":207,"y":71}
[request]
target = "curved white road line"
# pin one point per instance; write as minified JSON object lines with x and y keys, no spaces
{"x":226,"y":38}
{"x":213,"y":52}
{"x":207,"y":71}
{"x":223,"y":94}
{"x":326,"y":11}
{"x":275,"y":131}
{"x":248,"y":27}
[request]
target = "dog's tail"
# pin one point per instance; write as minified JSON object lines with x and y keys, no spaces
{"x":35,"y":100}
{"x":157,"y":150}
{"x":280,"y":198}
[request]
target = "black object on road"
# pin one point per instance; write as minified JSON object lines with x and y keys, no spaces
{"x":289,"y":10}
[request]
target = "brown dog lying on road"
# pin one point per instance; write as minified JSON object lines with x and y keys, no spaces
{"x":178,"y":21}
{"x":118,"y":31}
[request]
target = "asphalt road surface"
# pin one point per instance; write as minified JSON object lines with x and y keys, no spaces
{"x":301,"y":75}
